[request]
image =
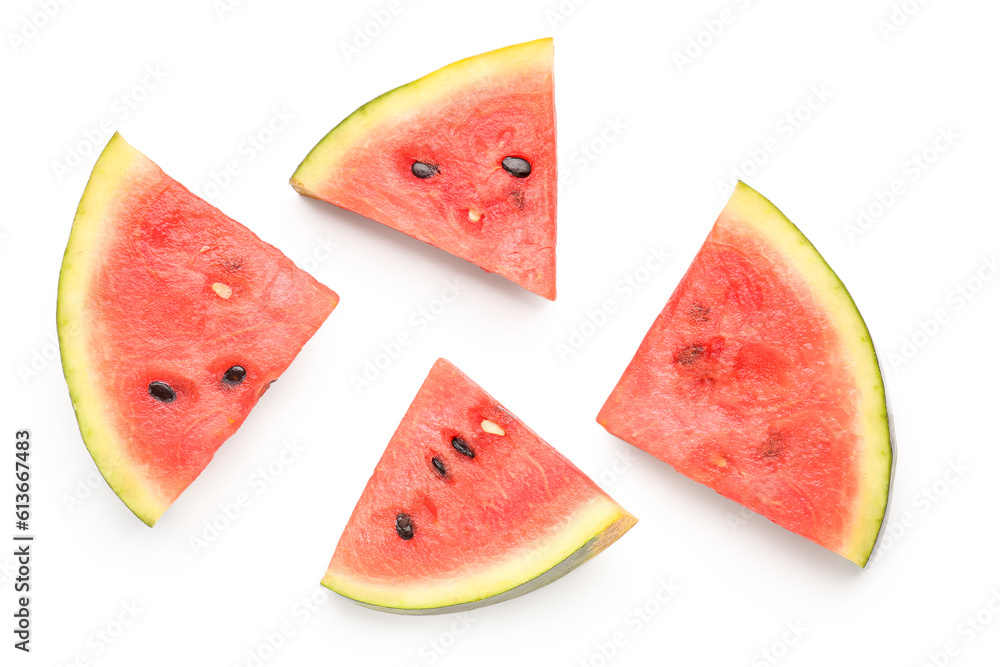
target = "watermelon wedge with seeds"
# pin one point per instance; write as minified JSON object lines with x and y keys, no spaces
{"x":173,"y":320}
{"x":467,"y":507}
{"x":760,"y":380}
{"x":463,"y":159}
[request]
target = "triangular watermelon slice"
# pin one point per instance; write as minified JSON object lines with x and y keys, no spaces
{"x":463,"y":159}
{"x":759,"y":379}
{"x":467,"y":507}
{"x":173,"y":319}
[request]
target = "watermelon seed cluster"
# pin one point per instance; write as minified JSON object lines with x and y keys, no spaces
{"x":404,"y":522}
{"x":164,"y":393}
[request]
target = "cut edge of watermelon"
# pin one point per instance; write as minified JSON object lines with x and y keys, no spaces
{"x":427,"y":90}
{"x":593,"y":528}
{"x":877,"y":461}
{"x":119,"y":163}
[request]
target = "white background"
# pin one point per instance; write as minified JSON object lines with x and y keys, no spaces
{"x":677,"y":131}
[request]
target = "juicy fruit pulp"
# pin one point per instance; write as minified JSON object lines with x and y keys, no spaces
{"x":463,"y":159}
{"x":467,"y":507}
{"x":173,"y":320}
{"x":759,"y":379}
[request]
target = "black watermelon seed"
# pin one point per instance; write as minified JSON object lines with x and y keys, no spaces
{"x":699,"y":313}
{"x":462,"y":447}
{"x":690,"y":354}
{"x":161,"y":391}
{"x":424,"y":169}
{"x":440,"y":466}
{"x":404,"y":526}
{"x":517,"y":167}
{"x":773,"y":446}
{"x":235,"y":375}
{"x":516,"y":198}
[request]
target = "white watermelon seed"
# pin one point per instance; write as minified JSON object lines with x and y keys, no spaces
{"x":474,"y":215}
{"x":492,"y":427}
{"x":225,"y":291}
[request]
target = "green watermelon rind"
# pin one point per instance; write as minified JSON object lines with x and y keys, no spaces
{"x":408,"y":98}
{"x":602,"y":523}
{"x":755,"y":210}
{"x":119,"y":164}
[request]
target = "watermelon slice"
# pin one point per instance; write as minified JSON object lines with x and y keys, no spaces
{"x":463,"y":159}
{"x":467,"y":507}
{"x":759,"y":379}
{"x":173,"y":319}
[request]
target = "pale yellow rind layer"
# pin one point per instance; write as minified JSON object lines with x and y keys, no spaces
{"x":408,"y":99}
{"x":600,"y":518}
{"x":120,"y":168}
{"x":875,"y":460}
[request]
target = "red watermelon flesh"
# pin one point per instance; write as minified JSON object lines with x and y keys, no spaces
{"x":488,"y":509}
{"x":462,"y":122}
{"x":759,"y":379}
{"x":173,"y":321}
